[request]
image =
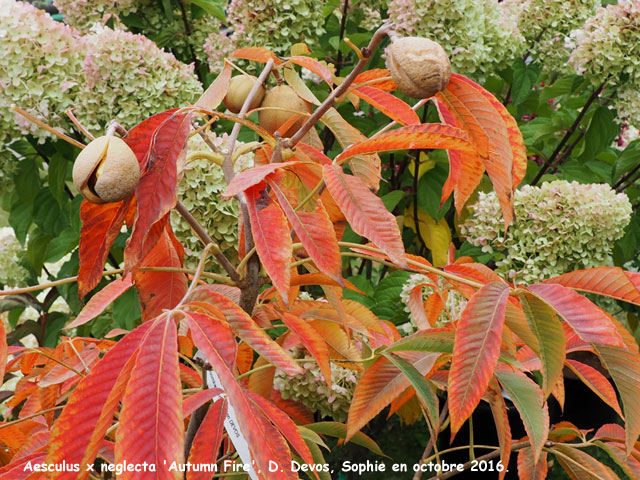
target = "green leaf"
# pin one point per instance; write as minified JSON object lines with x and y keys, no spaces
{"x":433,"y":340}
{"x":48,"y":215}
{"x":528,"y":400}
{"x":424,"y":388}
{"x":392,"y":199}
{"x":126,"y":309}
{"x":20,"y":218}
{"x":27,"y":180}
{"x":212,"y":8}
{"x":339,"y":430}
{"x":524,"y":78}
{"x":629,"y":158}
{"x":551,"y":338}
{"x":62,"y":244}
{"x":36,"y":249}
{"x":58,"y":169}
{"x":430,"y":191}
{"x":601,"y":132}
{"x":168,"y":8}
{"x":54,"y":323}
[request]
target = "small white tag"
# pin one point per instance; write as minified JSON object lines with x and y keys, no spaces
{"x":231,"y":423}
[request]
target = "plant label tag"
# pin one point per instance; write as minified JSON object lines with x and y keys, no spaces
{"x":231,"y":423}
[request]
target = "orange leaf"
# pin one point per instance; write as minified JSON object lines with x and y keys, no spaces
{"x":427,"y":135}
{"x":597,"y":382}
{"x":265,"y":443}
{"x":151,"y":427}
{"x":80,"y":429}
{"x":416,"y":305}
{"x":365,"y":212}
{"x":195,"y":401}
{"x":206,"y":443}
{"x":156,"y":190}
{"x":244,"y":326}
{"x":160,"y":290}
{"x":213,"y":95}
{"x":380,"y":384}
{"x":100,"y":226}
{"x":487,"y":130}
{"x":252,"y":177}
{"x":589,"y":322}
{"x":528,"y":469}
{"x":313,"y":154}
{"x":311,"y":341}
{"x":313,"y":227}
{"x":609,"y":281}
{"x":476,"y":350}
{"x":256,"y":54}
{"x":314,"y":66}
{"x":3,"y":350}
{"x":501,"y":419}
{"x":385,"y":82}
{"x":268,"y":222}
{"x":101,"y":300}
{"x":390,"y":105}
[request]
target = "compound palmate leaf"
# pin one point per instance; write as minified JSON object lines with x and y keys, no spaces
{"x":365,"y":212}
{"x":476,"y":350}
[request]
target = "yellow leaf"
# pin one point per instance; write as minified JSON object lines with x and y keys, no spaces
{"x":436,"y":234}
{"x":426,"y":164}
{"x":299,"y":49}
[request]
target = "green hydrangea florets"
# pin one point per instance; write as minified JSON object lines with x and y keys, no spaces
{"x":311,"y":390}
{"x":560,"y":227}
{"x":608,"y":49}
{"x":479,"y":37}
{"x":12,"y":274}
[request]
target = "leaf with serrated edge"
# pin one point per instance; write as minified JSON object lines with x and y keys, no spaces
{"x":551,"y":339}
{"x":624,"y":368}
{"x":379,"y":385}
{"x":365,"y":212}
{"x":587,"y":320}
{"x":608,"y":281}
{"x":206,"y":443}
{"x":256,"y":54}
{"x":339,"y":430}
{"x":265,"y":443}
{"x":314,"y":229}
{"x":580,"y":465}
{"x":314,"y":66}
{"x":78,"y":432}
{"x":101,"y":300}
{"x":252,"y":177}
{"x":100,"y":226}
{"x":528,"y":469}
{"x":151,"y":427}
{"x":597,"y":382}
{"x":268,"y":222}
{"x":501,"y":419}
{"x":528,"y":400}
{"x":244,"y":326}
{"x":427,"y":135}
{"x":476,"y":350}
{"x":390,"y":105}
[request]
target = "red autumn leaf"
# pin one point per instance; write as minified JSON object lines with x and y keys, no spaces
{"x":417,"y":307}
{"x":215,"y":93}
{"x":140,"y":137}
{"x":78,"y":433}
{"x":313,"y":154}
{"x":380,"y":384}
{"x":487,"y":130}
{"x":365,"y":212}
{"x":465,"y":168}
{"x":597,"y":382}
{"x":528,"y":469}
{"x":313,"y":227}
{"x":609,"y":281}
{"x":151,"y":427}
{"x":195,"y":401}
{"x":252,"y":177}
{"x":160,"y":290}
{"x":378,"y":78}
{"x":588,"y":321}
{"x":265,"y":443}
{"x":102,"y":300}
{"x":100,"y":226}
{"x":256,"y":54}
{"x":156,"y":191}
{"x":316,"y":346}
{"x":501,"y":419}
{"x":427,"y":135}
{"x":476,"y":350}
{"x":248,"y":331}
{"x":314,"y":66}
{"x":17,"y":470}
{"x":206,"y":443}
{"x":390,"y":105}
{"x":268,"y":222}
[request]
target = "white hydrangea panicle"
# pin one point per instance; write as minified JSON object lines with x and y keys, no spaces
{"x":12,"y":273}
{"x":200,"y":190}
{"x":560,"y":226}
{"x":311,"y":390}
{"x":479,"y":37}
{"x":82,"y":14}
{"x":607,"y":49}
{"x":548,"y":26}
